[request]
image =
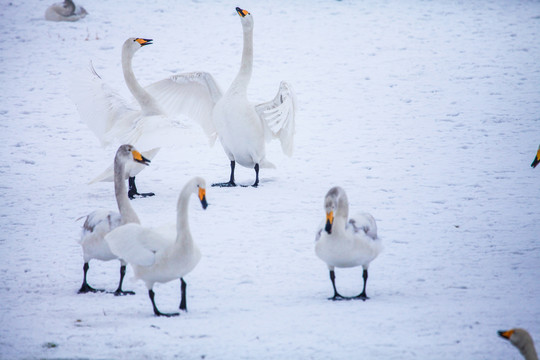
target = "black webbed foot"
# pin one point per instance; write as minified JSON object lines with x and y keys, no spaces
{"x":85,"y":288}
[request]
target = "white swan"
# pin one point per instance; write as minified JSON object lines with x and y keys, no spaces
{"x":100,"y":222}
{"x":343,"y":242}
{"x":241,"y":126}
{"x":108,"y":116}
{"x":66,"y":11}
{"x":159,"y":257}
{"x":536,"y":158}
{"x":521,"y":339}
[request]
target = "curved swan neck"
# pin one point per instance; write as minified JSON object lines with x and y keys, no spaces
{"x":142,"y":96}
{"x":182,"y":222}
{"x":241,"y":81}
{"x":124,"y":206}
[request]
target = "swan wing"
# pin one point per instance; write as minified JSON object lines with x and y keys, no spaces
{"x":278,"y":116}
{"x":136,"y":244}
{"x":365,"y":223}
{"x":98,"y":104}
{"x":190,"y":94}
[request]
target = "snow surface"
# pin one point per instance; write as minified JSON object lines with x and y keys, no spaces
{"x":426,"y":112}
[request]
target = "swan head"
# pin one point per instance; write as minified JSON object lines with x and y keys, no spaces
{"x":335,"y":201}
{"x":199,"y":188}
{"x":520,"y":338}
{"x":128,"y":152}
{"x":131,"y":45}
{"x":245,"y":18}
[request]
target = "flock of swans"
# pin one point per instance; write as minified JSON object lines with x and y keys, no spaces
{"x":164,"y":254}
{"x":157,"y":255}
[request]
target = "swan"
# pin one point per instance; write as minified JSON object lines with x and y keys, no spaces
{"x":536,"y":158}
{"x":241,"y":126}
{"x":100,"y":222}
{"x":66,"y":11}
{"x":157,"y":256}
{"x":343,"y":242}
{"x":521,"y":339}
{"x":107,"y":114}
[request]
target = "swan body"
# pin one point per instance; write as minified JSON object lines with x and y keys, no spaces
{"x":345,"y":242}
{"x":111,"y":119}
{"x":101,"y":222}
{"x":522,"y":340}
{"x":536,"y":158}
{"x":65,"y":11}
{"x":157,"y":255}
{"x":242,"y":127}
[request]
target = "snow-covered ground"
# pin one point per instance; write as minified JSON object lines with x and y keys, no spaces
{"x":426,"y":112}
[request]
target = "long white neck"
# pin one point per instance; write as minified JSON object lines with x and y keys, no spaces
{"x":147,"y":103}
{"x":182,"y":223}
{"x":240,"y":83}
{"x":124,"y":206}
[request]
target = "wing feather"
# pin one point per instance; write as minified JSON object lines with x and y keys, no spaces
{"x":190,"y":94}
{"x":136,"y":244}
{"x":278,"y":115}
{"x":98,"y":104}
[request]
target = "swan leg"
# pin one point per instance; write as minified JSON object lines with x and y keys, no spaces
{"x":231,"y":182}
{"x":156,"y":311}
{"x":363,"y":295}
{"x":119,"y":291}
{"x":132,"y":192}
{"x":337,"y":296}
{"x":183,"y":303}
{"x":85,"y":288}
{"x":256,"y":175}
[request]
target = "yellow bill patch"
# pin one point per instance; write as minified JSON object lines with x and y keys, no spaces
{"x":538,"y":154}
{"x":507,"y":334}
{"x":141,"y":41}
{"x":330,"y":217}
{"x":202,"y":194}
{"x":137,"y":155}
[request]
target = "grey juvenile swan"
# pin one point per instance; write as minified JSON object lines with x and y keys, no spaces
{"x":101,"y":222}
{"x":346,"y":242}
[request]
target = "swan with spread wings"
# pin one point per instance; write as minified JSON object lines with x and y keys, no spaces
{"x":242,"y":127}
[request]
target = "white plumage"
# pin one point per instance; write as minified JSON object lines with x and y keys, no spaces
{"x":342,"y":242}
{"x":241,"y":126}
{"x":101,"y":222}
{"x":157,"y":255}
{"x":522,"y":340}
{"x":112,"y":120}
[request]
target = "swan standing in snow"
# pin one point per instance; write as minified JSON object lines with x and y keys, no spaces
{"x":66,"y":11}
{"x":100,"y":222}
{"x":521,"y":339}
{"x":159,"y":257}
{"x":242,"y":127}
{"x":343,"y":242}
{"x":536,"y":158}
{"x":108,"y":116}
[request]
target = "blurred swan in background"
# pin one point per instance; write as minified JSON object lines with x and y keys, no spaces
{"x":521,"y":339}
{"x":111,"y":119}
{"x":66,"y":11}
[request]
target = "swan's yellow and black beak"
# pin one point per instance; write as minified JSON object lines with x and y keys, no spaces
{"x":144,"y":42}
{"x":536,"y":159}
{"x":202,"y":197}
{"x":137,"y":156}
{"x":329,"y":222}
{"x":505,"y":333}
{"x":241,"y":12}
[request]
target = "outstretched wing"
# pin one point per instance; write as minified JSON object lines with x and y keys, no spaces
{"x":136,"y":245}
{"x":98,"y":104}
{"x":189,"y":94}
{"x":278,"y":115}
